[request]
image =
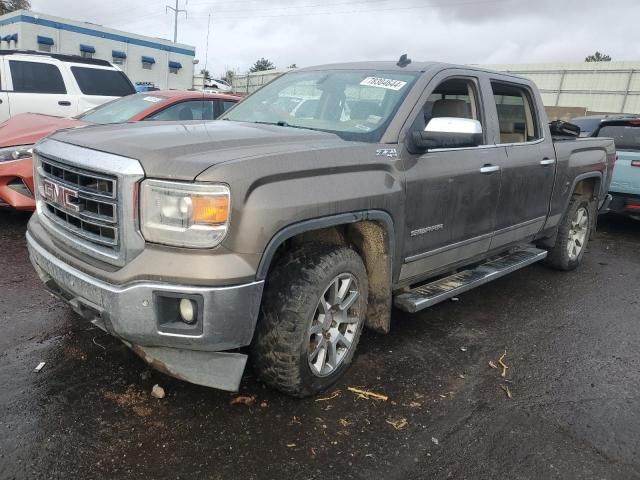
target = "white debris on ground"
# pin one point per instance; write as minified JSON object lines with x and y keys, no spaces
{"x":157,"y":391}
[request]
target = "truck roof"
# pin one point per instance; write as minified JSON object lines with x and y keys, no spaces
{"x":411,"y":67}
{"x":59,"y":56}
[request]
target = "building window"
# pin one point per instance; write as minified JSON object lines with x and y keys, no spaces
{"x":118,"y":57}
{"x":45,"y":43}
{"x":147,"y":62}
{"x":87,"y":51}
{"x":174,"y":67}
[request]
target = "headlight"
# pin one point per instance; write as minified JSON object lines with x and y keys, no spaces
{"x":16,"y":153}
{"x":184,"y":214}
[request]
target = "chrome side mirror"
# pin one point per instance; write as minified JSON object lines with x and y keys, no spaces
{"x":448,"y":132}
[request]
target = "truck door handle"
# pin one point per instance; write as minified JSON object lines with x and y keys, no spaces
{"x":489,"y":169}
{"x":545,"y":162}
{"x":64,"y":103}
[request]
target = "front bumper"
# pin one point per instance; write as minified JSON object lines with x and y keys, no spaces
{"x":135,"y":314}
{"x":625,"y":203}
{"x":16,"y":184}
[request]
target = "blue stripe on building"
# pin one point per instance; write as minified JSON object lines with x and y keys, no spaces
{"x":95,"y":33}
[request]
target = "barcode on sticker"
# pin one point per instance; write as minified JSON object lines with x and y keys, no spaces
{"x":388,"y":83}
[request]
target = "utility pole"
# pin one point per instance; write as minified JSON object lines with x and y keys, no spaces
{"x":206,"y":55}
{"x":176,"y":12}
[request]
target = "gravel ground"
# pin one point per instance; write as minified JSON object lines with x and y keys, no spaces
{"x":571,"y":342}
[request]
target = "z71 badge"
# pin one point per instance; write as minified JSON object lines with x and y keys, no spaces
{"x":387,"y":152}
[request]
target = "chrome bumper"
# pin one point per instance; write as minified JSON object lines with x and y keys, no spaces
{"x":134,"y":314}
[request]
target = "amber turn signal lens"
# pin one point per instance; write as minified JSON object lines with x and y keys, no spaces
{"x":210,"y":210}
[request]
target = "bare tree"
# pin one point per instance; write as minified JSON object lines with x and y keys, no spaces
{"x":598,"y":57}
{"x":228,"y":76}
{"x":7,"y":6}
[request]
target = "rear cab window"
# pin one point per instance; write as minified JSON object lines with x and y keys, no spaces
{"x":517,"y":116}
{"x":102,"y":82}
{"x":36,"y":77}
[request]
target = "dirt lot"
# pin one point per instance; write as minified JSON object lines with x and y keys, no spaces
{"x":571,"y":343}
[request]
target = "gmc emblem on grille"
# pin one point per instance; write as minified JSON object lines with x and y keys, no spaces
{"x":60,"y":195}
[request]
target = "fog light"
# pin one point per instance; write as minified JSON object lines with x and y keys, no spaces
{"x":187,"y":310}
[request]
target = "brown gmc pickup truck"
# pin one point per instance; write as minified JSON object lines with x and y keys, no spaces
{"x":305,"y":214}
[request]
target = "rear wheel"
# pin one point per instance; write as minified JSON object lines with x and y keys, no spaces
{"x":313,"y":313}
{"x":573,"y":235}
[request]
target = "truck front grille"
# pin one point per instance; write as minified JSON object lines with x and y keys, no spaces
{"x":81,"y":202}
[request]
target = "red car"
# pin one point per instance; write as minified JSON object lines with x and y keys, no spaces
{"x":20,"y":133}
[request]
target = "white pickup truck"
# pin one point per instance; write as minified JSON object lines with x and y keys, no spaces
{"x":60,"y":85}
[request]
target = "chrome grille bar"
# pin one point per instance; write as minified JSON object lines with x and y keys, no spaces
{"x":87,"y":205}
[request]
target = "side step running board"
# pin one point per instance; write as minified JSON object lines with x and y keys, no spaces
{"x":429,"y":294}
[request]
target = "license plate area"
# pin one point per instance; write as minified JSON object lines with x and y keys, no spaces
{"x":69,"y":285}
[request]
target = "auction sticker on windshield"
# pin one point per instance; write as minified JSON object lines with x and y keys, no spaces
{"x":387,"y":83}
{"x":153,"y":99}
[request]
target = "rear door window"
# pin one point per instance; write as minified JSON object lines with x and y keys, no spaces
{"x":516,"y":114}
{"x":35,"y":77}
{"x":226,"y":105}
{"x":185,"y":111}
{"x":101,"y":82}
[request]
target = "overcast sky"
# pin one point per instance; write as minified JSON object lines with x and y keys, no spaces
{"x":308,"y":32}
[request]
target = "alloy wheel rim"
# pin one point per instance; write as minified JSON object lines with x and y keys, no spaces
{"x":335,"y":323}
{"x":578,"y":233}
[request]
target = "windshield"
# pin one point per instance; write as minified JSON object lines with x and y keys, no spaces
{"x":354,"y":104}
{"x":627,"y":137}
{"x":121,"y":110}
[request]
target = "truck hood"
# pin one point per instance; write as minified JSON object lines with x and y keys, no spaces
{"x":182,"y":150}
{"x":28,"y":128}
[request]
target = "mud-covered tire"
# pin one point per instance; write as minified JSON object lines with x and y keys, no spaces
{"x":559,"y":256}
{"x":281,"y":346}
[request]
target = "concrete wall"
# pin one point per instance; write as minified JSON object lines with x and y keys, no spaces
{"x":68,"y":35}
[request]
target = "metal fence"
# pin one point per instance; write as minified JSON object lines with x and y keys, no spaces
{"x":598,"y":86}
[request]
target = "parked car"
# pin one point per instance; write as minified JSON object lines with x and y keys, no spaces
{"x":52,"y":84}
{"x":18,"y":134}
{"x":590,"y":123}
{"x":289,"y":234}
{"x":217,"y":85}
{"x":625,"y":186}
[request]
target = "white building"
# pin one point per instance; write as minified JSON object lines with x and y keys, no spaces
{"x":146,"y":60}
{"x":610,"y":87}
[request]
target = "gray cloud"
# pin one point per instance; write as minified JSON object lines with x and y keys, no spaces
{"x":308,"y":32}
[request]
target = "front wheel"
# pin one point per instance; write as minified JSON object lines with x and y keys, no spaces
{"x":313,"y":313}
{"x":574,"y":232}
